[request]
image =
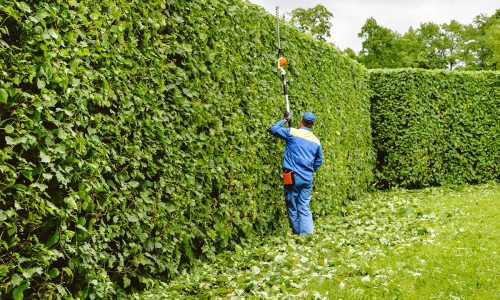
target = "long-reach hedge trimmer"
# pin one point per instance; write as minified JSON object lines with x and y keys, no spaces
{"x":281,"y":65}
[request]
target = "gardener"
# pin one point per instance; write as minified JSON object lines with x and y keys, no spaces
{"x":303,"y":156}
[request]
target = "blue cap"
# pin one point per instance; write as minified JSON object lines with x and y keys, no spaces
{"x":308,"y":117}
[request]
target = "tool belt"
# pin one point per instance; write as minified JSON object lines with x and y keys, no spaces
{"x":288,"y":179}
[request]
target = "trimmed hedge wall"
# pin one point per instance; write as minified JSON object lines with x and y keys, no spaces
{"x":435,"y":127}
{"x":134,"y":137}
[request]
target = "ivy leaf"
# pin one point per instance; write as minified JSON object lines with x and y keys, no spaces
{"x":189,"y":93}
{"x":20,"y":187}
{"x":4,"y":96}
{"x":44,"y":157}
{"x":28,"y":273}
{"x":16,"y":280}
{"x":126,"y":281}
{"x":170,"y":208}
{"x":4,"y":270}
{"x":24,"y":6}
{"x":68,"y":271}
{"x":132,"y":218}
{"x":53,"y":34}
{"x":18,"y":293}
{"x":40,"y":84}
{"x":53,"y":240}
{"x":10,"y":141}
{"x":9,"y":129}
{"x":69,"y":200}
{"x":54,"y":272}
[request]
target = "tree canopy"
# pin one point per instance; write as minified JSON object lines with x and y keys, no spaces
{"x":433,"y":46}
{"x":315,"y":21}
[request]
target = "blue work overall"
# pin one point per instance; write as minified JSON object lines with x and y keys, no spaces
{"x":303,"y":156}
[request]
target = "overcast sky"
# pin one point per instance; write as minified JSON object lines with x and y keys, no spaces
{"x":398,"y":15}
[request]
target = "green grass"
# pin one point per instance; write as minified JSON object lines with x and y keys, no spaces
{"x":435,"y":243}
{"x":457,"y":258}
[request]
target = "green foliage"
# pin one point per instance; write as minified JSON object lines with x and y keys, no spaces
{"x":435,"y":127}
{"x":433,"y":46}
{"x":484,"y":45}
{"x":314,"y":21}
{"x":134,"y":137}
{"x":380,"y":46}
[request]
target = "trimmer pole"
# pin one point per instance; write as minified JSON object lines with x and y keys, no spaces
{"x":281,"y":65}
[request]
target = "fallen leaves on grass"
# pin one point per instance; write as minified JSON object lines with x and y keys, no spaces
{"x":280,"y":266}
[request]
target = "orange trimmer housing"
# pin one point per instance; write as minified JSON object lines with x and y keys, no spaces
{"x":282,"y":62}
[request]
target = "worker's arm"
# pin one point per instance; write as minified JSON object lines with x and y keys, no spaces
{"x":279,"y":131}
{"x":318,"y":159}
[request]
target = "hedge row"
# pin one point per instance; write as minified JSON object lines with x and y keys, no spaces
{"x":435,"y":127}
{"x":134,"y":137}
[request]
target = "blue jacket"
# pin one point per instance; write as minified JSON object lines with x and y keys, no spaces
{"x":303,"y":152}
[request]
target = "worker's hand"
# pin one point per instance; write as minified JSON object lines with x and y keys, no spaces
{"x":288,"y":115}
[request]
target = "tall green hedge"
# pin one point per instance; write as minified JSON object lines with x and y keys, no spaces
{"x":435,"y":127}
{"x":134,"y":137}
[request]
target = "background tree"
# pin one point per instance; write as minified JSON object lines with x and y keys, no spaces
{"x":412,"y":49}
{"x":453,"y":44}
{"x":484,"y":42}
{"x":351,"y":53}
{"x":492,"y":41}
{"x":380,"y":47}
{"x":315,"y":21}
{"x":431,"y":46}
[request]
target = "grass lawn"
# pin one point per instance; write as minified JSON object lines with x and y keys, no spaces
{"x":435,"y":243}
{"x":453,"y":255}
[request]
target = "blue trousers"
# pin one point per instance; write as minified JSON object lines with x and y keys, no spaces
{"x":297,"y":199}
